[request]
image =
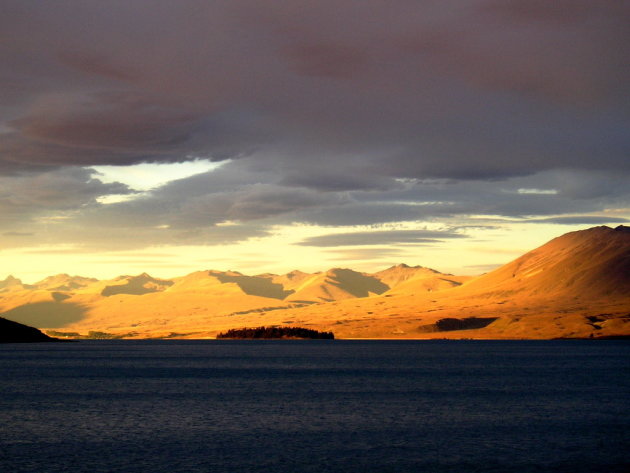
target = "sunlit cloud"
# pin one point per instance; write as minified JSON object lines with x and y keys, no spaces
{"x":116,"y":198}
{"x":538,"y":191}
{"x":147,"y":176}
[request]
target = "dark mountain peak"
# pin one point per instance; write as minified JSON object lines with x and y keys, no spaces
{"x":339,"y":271}
{"x":11,"y":279}
{"x":10,"y":282}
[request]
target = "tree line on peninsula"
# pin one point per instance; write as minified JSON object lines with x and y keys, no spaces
{"x":275,"y":333}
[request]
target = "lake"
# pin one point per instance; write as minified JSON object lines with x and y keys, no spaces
{"x":315,"y":406}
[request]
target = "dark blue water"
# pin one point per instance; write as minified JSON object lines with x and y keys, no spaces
{"x":315,"y":406}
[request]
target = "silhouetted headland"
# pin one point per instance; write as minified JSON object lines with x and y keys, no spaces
{"x":13,"y":332}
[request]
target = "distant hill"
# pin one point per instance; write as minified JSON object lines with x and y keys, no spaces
{"x":401,"y":273}
{"x":403,"y":279}
{"x":590,"y":263}
{"x":11,"y":284}
{"x":576,"y":285}
{"x":64,"y":282}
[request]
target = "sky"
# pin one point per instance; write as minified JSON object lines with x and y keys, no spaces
{"x":173,"y":136}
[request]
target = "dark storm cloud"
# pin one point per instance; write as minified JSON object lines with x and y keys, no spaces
{"x":557,"y":193}
{"x":195,"y":203}
{"x":560,"y":11}
{"x":465,"y":90}
{"x":27,"y":196}
{"x":89,"y":239}
{"x":380,"y":237}
{"x":366,"y":213}
{"x":109,"y":121}
{"x":331,"y":112}
{"x":329,"y":180}
{"x":254,"y":202}
{"x":251,"y":198}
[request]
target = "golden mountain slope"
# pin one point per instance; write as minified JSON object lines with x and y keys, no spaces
{"x":574,"y":286}
{"x":591,"y":263}
{"x":146,"y":306}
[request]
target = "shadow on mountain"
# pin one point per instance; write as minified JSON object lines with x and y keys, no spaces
{"x":46,"y":314}
{"x":137,"y":286}
{"x":451,"y":324}
{"x":60,"y":296}
{"x":357,"y":284}
{"x":254,"y":286}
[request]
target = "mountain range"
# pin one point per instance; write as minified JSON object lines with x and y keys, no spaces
{"x":575,"y":286}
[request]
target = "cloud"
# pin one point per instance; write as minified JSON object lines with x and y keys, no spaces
{"x":261,"y":202}
{"x":62,"y":206}
{"x":368,"y":213}
{"x":483,"y":90}
{"x":379,"y":237}
{"x":581,"y":220}
{"x":18,"y":234}
{"x":359,"y":254}
{"x":440,"y":199}
{"x":351,"y":179}
{"x":337,"y":113}
{"x":27,"y":196}
{"x":109,"y":121}
{"x":73,"y":238}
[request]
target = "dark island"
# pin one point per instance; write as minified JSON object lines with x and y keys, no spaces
{"x":270,"y":333}
{"x":13,"y":332}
